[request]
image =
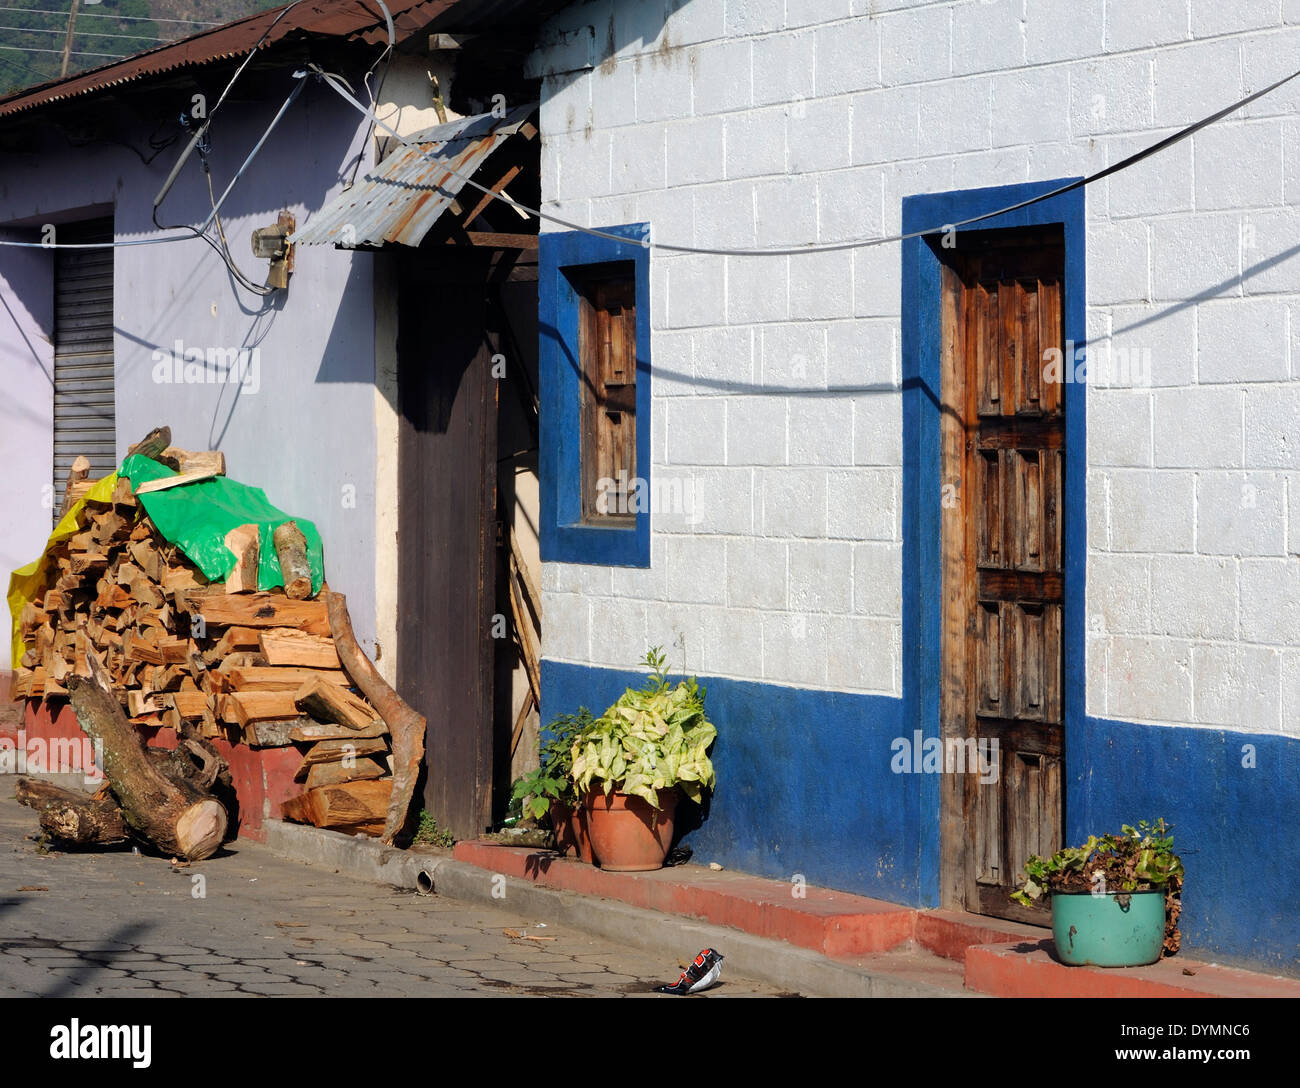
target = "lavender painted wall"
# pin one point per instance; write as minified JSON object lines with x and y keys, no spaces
{"x":303,"y":428}
{"x":26,"y":409}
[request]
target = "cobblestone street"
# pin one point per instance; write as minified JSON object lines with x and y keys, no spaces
{"x":118,"y":924}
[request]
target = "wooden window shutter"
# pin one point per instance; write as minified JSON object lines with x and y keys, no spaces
{"x":608,"y":351}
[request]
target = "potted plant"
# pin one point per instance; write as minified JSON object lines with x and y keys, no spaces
{"x":549,"y":792}
{"x":1115,"y":899}
{"x":630,"y":764}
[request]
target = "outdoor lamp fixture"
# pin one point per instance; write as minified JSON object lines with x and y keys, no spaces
{"x":272,"y":243}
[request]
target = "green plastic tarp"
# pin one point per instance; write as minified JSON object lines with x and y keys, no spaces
{"x":195,"y":517}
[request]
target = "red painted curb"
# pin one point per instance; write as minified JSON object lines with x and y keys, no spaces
{"x":833,"y":923}
{"x":1002,"y":958}
{"x":1028,"y":969}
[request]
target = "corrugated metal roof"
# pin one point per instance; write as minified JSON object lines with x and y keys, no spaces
{"x":402,"y":198}
{"x":351,"y":20}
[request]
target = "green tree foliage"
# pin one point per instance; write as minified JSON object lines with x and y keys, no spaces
{"x":32,"y":32}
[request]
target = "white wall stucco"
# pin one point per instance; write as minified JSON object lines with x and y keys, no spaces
{"x":738,"y":123}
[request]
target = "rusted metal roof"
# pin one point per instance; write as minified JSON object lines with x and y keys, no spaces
{"x":402,"y":198}
{"x":350,"y":20}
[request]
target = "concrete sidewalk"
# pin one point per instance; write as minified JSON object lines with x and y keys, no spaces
{"x":904,"y":970}
{"x":110,"y":923}
{"x":813,"y":940}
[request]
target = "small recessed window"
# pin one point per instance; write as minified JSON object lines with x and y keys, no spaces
{"x":595,"y":372}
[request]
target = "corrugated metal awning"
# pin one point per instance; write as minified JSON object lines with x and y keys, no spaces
{"x":402,"y":198}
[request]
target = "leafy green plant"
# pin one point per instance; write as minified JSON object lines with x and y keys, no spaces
{"x":1138,"y":859}
{"x":653,"y":738}
{"x":429,"y":833}
{"x":552,"y":780}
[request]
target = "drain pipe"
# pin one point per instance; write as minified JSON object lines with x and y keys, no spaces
{"x":424,"y":880}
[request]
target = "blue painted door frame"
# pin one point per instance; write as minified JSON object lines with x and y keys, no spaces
{"x":922,"y":468}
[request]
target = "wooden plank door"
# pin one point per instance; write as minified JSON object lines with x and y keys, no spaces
{"x":1004,"y":454}
{"x":447,"y":452}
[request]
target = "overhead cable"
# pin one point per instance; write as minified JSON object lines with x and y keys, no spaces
{"x":812,"y":247}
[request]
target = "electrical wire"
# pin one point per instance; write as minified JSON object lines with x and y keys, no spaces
{"x":115,"y":17}
{"x":826,"y":247}
{"x":334,"y":82}
{"x":83,"y":33}
{"x":387,"y":57}
{"x":223,"y":249}
{"x":201,"y":231}
{"x":71,"y":52}
{"x":193,"y":231}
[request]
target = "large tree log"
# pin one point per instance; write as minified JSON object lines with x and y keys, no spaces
{"x":404,"y":725}
{"x":73,"y":816}
{"x":175,"y":816}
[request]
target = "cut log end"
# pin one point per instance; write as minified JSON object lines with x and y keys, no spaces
{"x":201,"y":830}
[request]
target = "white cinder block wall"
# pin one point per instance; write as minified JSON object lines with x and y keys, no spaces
{"x":737,"y":123}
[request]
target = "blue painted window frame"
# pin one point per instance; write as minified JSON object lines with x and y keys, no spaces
{"x":922,"y":457}
{"x":564,"y":536}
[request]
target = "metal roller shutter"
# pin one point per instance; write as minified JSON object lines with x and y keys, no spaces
{"x":84,"y":413}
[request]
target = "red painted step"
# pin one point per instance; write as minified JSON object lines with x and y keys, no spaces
{"x":833,"y":923}
{"x":1030,"y":969}
{"x":1003,"y":959}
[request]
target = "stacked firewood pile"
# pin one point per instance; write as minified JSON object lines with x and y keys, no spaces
{"x":125,"y":612}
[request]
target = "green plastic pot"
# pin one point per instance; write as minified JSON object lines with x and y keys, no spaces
{"x":1124,"y":929}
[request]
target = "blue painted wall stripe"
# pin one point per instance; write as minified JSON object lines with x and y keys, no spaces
{"x":805,"y":786}
{"x":804,"y":781}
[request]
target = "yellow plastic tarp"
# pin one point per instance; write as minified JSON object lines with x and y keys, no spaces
{"x":26,"y":582}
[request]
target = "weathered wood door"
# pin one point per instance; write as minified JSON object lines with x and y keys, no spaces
{"x":447,"y":451}
{"x":1004,"y":458}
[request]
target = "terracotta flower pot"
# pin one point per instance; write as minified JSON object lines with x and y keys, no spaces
{"x":627,"y":834}
{"x":570,"y":827}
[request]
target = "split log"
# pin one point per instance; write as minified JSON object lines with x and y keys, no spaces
{"x":259,"y":610}
{"x":333,"y":774}
{"x":244,"y":542}
{"x":328,"y":702}
{"x":177,"y":817}
{"x":166,"y":483}
{"x":288,"y":647}
{"x":350,"y":806}
{"x":255,"y":678}
{"x":274,"y":733}
{"x":212,"y":462}
{"x":405,"y":724}
{"x":153,"y":444}
{"x":291,"y":550}
{"x":338,"y":751}
{"x":243,"y":707}
{"x":77,"y":474}
{"x":72,"y":816}
{"x":309,"y":731}
{"x":235,"y":639}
